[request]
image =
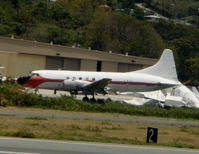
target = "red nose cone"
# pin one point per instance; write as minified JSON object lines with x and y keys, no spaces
{"x":35,"y":81}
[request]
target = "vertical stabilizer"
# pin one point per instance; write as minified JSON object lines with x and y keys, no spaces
{"x":165,"y":67}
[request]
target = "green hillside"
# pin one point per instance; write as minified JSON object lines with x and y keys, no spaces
{"x":183,"y":9}
{"x":107,"y":25}
{"x":87,"y":23}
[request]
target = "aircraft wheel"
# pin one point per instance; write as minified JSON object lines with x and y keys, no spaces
{"x":85,"y":99}
{"x":92,"y":100}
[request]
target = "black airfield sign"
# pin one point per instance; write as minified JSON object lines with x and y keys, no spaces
{"x":152,"y":135}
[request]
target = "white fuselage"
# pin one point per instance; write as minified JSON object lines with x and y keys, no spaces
{"x":132,"y":81}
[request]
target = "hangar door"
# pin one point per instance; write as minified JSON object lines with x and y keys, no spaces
{"x":134,"y":67}
{"x":71,"y":64}
{"x":122,"y":67}
{"x":54,"y":63}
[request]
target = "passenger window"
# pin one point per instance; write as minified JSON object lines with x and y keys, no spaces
{"x":80,"y":78}
{"x":93,"y":79}
{"x":67,"y":78}
{"x":87,"y":79}
{"x":74,"y":78}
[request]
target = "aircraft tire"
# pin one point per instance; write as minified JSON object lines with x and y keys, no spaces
{"x":92,"y":100}
{"x":85,"y":99}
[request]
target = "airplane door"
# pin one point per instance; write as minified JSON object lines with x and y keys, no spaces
{"x":127,"y":85}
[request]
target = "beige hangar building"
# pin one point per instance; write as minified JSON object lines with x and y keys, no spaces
{"x":20,"y":57}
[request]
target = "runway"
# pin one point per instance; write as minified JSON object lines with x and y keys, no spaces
{"x":113,"y":97}
{"x":100,"y":118}
{"x":36,"y":146}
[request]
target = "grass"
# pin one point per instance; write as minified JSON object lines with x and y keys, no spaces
{"x":36,"y":118}
{"x":88,"y":130}
{"x":23,"y":133}
{"x":14,"y":95}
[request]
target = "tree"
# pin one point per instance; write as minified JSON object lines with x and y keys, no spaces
{"x":194,"y":69}
{"x":82,"y":11}
{"x":122,"y":33}
{"x":184,"y":50}
{"x":127,"y":3}
{"x":15,"y":3}
{"x":60,"y":36}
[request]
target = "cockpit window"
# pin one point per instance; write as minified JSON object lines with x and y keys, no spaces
{"x":34,"y":74}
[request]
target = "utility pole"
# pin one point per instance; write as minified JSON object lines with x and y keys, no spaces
{"x":77,"y":41}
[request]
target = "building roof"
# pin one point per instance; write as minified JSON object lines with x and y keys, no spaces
{"x":104,"y":5}
{"x":45,"y":49}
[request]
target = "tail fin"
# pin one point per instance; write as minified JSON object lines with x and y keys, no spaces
{"x":165,"y":67}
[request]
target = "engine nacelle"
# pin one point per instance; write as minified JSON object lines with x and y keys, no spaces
{"x":77,"y":85}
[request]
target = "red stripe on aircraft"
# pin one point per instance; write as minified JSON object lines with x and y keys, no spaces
{"x":132,"y":83}
{"x":35,"y":81}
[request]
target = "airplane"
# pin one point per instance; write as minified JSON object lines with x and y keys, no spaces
{"x":188,"y":96}
{"x":178,"y":96}
{"x":159,"y":76}
{"x":195,"y":91}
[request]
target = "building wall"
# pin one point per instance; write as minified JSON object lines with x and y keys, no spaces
{"x":133,"y":67}
{"x":71,"y":64}
{"x":88,"y":65}
{"x":20,"y":64}
{"x":26,"y":63}
{"x":122,"y":67}
{"x":109,"y":66}
{"x":54,"y":63}
{"x":8,"y":60}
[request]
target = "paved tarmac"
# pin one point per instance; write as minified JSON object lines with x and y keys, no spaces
{"x":101,"y":118}
{"x":36,"y":146}
{"x":113,"y":97}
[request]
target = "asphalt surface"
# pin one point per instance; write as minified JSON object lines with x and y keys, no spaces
{"x":101,"y":118}
{"x":33,"y":146}
{"x":50,"y":93}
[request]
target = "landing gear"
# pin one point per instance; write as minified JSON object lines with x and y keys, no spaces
{"x":85,"y":99}
{"x":55,"y":92}
{"x":74,"y":92}
{"x":36,"y":90}
{"x":93,"y":99}
{"x":89,"y":100}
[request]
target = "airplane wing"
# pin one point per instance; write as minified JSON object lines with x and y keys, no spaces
{"x":195,"y":91}
{"x":154,"y":95}
{"x":97,"y":86}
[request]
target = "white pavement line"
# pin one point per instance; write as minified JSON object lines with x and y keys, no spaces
{"x":105,"y":145}
{"x":10,"y":152}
